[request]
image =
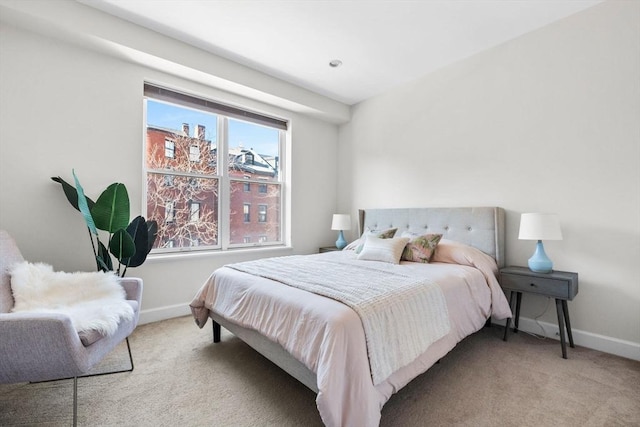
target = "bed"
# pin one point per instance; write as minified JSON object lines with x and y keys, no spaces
{"x":325,"y":342}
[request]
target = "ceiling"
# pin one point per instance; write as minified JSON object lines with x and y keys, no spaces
{"x":381,"y":43}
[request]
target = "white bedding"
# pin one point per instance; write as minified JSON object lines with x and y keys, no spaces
{"x":390,"y":305}
{"x":328,"y":337}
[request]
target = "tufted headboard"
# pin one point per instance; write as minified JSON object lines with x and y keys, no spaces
{"x":481,"y":227}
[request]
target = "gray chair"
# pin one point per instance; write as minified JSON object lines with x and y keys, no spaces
{"x":44,"y":347}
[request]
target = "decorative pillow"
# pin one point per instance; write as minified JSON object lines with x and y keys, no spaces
{"x":385,"y":250}
{"x":382,"y":234}
{"x":421,"y":247}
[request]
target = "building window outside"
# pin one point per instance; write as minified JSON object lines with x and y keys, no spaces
{"x":205,"y":156}
{"x":262,"y":213}
{"x":194,"y":153}
{"x":169,"y":212}
{"x":194,"y":214}
{"x":169,"y":148}
{"x":246,"y":211}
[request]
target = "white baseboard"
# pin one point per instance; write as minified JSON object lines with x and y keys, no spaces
{"x":627,"y":349}
{"x":164,"y":313}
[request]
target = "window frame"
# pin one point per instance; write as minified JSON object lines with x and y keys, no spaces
{"x":224,"y":180}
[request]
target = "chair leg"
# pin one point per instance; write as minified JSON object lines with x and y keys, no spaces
{"x":115,"y":372}
{"x":75,"y":382}
{"x":130,"y":356}
{"x":75,"y":401}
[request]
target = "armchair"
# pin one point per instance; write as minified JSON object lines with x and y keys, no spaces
{"x":38,"y":347}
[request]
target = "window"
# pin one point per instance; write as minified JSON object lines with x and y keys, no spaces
{"x":200,"y":168}
{"x":194,"y":215}
{"x":169,"y":148}
{"x":262,"y":213}
{"x":194,"y":153}
{"x":246,"y":209}
{"x":169,"y":212}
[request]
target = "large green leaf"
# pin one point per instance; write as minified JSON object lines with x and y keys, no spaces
{"x":71,"y":193}
{"x":111,"y":211}
{"x":122,"y":245}
{"x":83,"y":205}
{"x":140,"y":235}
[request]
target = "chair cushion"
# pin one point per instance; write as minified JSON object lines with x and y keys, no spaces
{"x":9,"y":255}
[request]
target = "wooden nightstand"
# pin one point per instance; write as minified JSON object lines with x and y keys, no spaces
{"x":328,"y":249}
{"x":561,"y":285}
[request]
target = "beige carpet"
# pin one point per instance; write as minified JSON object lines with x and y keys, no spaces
{"x":182,"y":379}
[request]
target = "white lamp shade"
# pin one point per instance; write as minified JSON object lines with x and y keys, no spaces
{"x":540,"y":226}
{"x":341,"y":222}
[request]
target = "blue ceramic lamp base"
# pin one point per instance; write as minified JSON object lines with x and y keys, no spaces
{"x":341,"y":243}
{"x":540,"y":262}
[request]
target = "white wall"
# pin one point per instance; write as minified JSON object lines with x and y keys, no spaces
{"x":549,"y":122}
{"x":63,"y":106}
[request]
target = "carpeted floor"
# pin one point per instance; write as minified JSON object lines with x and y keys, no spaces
{"x":182,"y":379}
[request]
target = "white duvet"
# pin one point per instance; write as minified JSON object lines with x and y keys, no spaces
{"x":390,"y":305}
{"x":328,"y":337}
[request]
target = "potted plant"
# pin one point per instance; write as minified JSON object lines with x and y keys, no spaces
{"x":128,"y":242}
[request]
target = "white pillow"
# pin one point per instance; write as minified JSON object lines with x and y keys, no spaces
{"x":356,"y":245}
{"x":385,"y":250}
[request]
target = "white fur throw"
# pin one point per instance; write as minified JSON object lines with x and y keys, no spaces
{"x":93,"y":301}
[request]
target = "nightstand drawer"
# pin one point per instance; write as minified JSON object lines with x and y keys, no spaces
{"x":557,"y":284}
{"x":549,"y":287}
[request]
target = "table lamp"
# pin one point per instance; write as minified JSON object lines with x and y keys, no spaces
{"x":341,"y":222}
{"x":540,"y":226}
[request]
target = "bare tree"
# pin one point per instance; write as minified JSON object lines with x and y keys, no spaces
{"x":182,"y":189}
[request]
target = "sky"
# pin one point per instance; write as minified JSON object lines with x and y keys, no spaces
{"x":262,"y":139}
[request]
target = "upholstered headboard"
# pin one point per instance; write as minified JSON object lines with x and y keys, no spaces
{"x":481,"y":227}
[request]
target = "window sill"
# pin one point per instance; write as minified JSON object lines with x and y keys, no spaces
{"x":261,"y":251}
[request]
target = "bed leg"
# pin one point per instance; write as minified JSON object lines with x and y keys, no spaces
{"x":216,"y":331}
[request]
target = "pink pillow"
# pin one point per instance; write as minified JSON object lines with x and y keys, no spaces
{"x":458,"y":253}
